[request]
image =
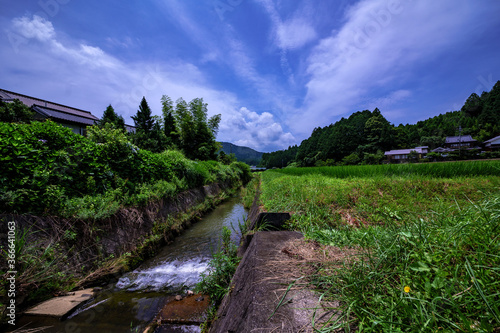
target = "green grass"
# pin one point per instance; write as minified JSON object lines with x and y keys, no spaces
{"x":432,"y":228}
{"x":221,"y":268}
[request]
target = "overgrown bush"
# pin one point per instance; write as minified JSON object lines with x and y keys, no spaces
{"x":47,"y":169}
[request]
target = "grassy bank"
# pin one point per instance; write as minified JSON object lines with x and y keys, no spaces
{"x":426,"y":238}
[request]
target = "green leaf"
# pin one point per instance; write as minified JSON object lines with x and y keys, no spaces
{"x":420,"y":267}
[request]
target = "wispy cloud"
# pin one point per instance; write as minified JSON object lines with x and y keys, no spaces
{"x":225,"y":48}
{"x":289,"y":34}
{"x":39,"y":29}
{"x":294,"y":33}
{"x":92,"y":79}
{"x":381,"y":44}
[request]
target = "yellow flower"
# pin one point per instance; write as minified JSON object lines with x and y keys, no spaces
{"x":407,"y":289}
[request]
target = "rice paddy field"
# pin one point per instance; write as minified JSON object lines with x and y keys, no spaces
{"x":426,"y":238}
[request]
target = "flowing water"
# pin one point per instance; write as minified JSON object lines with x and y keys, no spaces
{"x":132,"y":302}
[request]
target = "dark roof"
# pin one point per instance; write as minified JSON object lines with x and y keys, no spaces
{"x":130,"y":128}
{"x":71,"y":117}
{"x":492,"y":139}
{"x":4,"y":95}
{"x":54,"y":110}
{"x":458,"y":139}
{"x":32,"y":101}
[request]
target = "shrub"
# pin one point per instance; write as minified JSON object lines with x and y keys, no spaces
{"x":47,"y":169}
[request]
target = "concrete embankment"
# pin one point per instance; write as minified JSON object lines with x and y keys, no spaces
{"x":269,"y":292}
{"x":97,"y":250}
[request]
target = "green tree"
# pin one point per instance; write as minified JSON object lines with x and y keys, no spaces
{"x":226,"y":158}
{"x":196,"y":131}
{"x":15,"y":112}
{"x":473,"y":106}
{"x":432,"y":141}
{"x":351,"y":159}
{"x":148,"y":134}
{"x":169,"y":124}
{"x":111,"y":117}
{"x":143,"y":119}
{"x":379,"y":133}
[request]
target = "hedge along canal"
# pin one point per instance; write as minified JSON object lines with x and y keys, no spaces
{"x":130,"y":243}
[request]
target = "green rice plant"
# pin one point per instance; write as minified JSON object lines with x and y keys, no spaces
{"x":250,"y":190}
{"x":441,"y":170}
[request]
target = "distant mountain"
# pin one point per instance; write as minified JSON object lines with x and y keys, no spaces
{"x":243,"y":154}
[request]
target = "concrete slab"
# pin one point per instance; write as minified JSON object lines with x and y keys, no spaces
{"x":62,"y":306}
{"x":262,"y":299}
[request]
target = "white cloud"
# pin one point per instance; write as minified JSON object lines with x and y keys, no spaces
{"x":41,"y":30}
{"x":37,"y":28}
{"x":388,"y":100}
{"x":123,"y":42}
{"x":294,"y":33}
{"x":84,"y":76}
{"x":223,"y":45}
{"x":259,"y":131}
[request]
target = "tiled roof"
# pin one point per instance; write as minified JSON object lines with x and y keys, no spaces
{"x":458,"y":139}
{"x":492,"y":139}
{"x":52,"y":113}
{"x":31,"y":101}
{"x":419,"y":150}
{"x":442,"y":150}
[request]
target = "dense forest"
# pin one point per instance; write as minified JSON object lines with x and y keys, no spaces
{"x":364,"y":136}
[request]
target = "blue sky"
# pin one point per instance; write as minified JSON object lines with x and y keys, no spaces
{"x":274,"y":69}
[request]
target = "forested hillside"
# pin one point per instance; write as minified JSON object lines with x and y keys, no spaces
{"x":363,"y":137}
{"x":242,"y":154}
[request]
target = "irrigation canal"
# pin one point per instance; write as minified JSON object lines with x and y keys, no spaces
{"x":130,"y":304}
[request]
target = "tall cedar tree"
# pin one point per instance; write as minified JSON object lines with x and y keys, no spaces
{"x":148,"y":134}
{"x":143,"y":119}
{"x":110,"y":116}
